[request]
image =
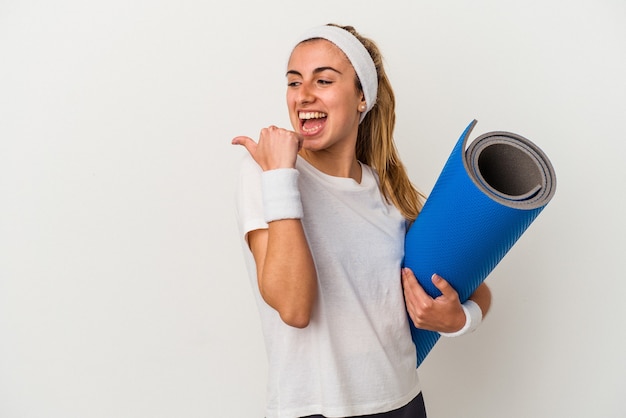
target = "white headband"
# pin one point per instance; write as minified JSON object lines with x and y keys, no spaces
{"x":357,"y":55}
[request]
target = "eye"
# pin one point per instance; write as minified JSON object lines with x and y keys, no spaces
{"x":293,"y":83}
{"x":324,"y":82}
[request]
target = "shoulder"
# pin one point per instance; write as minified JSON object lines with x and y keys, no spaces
{"x":248,"y":165}
{"x":249,"y":176}
{"x":370,"y":176}
{"x":369,"y":171}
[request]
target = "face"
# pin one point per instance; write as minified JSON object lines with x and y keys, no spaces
{"x":322,"y":97}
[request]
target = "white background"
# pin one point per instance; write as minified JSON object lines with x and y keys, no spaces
{"x":122,"y":287}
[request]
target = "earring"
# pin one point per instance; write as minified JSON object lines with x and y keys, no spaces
{"x":362,"y":107}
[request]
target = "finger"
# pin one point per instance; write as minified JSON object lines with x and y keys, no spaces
{"x":446,"y":289}
{"x":247,"y":142}
{"x":411,"y":282}
{"x":418,"y":301}
{"x":241,"y":140}
{"x":299,"y":139}
{"x":410,"y":307}
{"x":413,"y":318}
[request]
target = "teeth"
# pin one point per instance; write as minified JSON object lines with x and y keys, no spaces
{"x":311,"y":115}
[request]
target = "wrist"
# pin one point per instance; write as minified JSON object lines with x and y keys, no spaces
{"x":473,"y":318}
{"x":281,"y":195}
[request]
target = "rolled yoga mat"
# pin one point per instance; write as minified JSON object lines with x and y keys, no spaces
{"x":484,"y":199}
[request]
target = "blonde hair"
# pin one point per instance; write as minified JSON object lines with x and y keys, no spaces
{"x":375,"y":145}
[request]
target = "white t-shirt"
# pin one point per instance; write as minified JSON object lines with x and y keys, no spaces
{"x":356,"y":355}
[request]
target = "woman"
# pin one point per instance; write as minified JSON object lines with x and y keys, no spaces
{"x":323,"y":210}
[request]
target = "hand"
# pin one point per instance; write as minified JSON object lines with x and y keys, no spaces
{"x":442,"y":314}
{"x":277,"y":148}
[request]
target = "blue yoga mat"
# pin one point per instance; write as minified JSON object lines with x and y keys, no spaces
{"x":486,"y":196}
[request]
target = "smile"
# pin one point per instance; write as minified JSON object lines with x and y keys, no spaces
{"x":312,"y":122}
{"x":311,"y":115}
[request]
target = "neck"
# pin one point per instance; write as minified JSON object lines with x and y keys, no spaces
{"x":333,"y":164}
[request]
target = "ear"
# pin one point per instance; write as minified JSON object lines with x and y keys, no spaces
{"x":362,"y":104}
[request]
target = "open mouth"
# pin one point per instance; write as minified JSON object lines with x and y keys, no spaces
{"x":312,"y":122}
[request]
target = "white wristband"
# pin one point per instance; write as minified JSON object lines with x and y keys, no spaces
{"x":281,"y":195}
{"x":473,"y":318}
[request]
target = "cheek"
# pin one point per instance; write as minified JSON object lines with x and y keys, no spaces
{"x":293,"y":117}
{"x":289,"y":98}
{"x":291,"y":103}
{"x":346,"y":100}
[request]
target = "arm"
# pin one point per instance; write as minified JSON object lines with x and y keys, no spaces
{"x":443,"y":313}
{"x":482,"y":296}
{"x":286,"y":273}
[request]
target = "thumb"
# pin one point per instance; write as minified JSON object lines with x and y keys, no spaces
{"x":247,"y":142}
{"x":446,"y":289}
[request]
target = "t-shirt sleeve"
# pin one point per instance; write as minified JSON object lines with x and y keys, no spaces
{"x":249,"y":201}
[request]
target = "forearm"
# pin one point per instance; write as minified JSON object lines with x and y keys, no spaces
{"x":286,"y":273}
{"x":482,"y":297}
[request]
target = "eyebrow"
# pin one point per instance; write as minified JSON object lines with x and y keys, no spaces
{"x":315,"y":71}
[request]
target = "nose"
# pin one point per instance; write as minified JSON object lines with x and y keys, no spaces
{"x":305,"y":94}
